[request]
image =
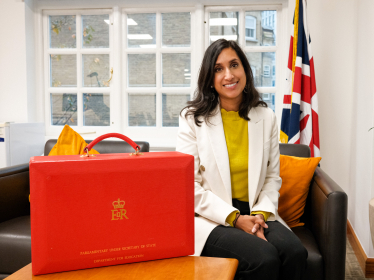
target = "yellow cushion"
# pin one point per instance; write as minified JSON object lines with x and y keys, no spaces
{"x":69,"y":143}
{"x":296,"y":174}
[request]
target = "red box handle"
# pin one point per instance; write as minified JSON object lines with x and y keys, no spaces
{"x":109,"y":135}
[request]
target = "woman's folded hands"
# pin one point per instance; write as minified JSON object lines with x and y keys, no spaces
{"x":252,"y":224}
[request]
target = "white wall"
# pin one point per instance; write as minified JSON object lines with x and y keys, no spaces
{"x":13,"y":89}
{"x":30,"y":62}
{"x":362,"y":173}
{"x":342,"y":40}
{"x":17,"y":62}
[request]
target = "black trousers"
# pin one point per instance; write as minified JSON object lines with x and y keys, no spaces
{"x":282,"y":257}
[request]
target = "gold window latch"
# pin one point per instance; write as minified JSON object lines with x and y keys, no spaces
{"x":111,"y":75}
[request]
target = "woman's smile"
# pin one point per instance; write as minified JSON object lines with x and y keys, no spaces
{"x":231,"y":86}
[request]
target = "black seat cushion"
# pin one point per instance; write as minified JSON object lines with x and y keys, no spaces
{"x":105,"y":147}
{"x":15,"y":244}
{"x":298,"y":150}
{"x":315,"y":260}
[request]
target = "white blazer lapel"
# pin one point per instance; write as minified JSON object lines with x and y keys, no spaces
{"x":218,"y":141}
{"x":255,"y":154}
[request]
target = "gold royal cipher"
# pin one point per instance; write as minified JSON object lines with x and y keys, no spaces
{"x":118,"y":213}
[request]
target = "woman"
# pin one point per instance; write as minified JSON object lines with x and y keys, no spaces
{"x":234,"y":139}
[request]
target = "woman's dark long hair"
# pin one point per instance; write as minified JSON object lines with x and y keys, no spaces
{"x":206,"y":98}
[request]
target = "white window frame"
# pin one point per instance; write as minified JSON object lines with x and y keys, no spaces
{"x":280,"y":61}
{"x":79,"y":89}
{"x":160,"y":137}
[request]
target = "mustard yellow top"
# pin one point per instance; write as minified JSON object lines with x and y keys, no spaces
{"x":236,"y":134}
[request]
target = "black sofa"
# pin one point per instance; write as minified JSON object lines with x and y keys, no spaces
{"x":15,"y":233}
{"x":325,"y":217}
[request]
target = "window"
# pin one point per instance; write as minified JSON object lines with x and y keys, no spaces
{"x":269,"y":99}
{"x":131,"y":70}
{"x":158,"y":57}
{"x":266,"y":70}
{"x":156,"y":71}
{"x":249,"y":32}
{"x":250,"y":28}
{"x":223,"y":25}
{"x":266,"y":96}
{"x":78,"y":53}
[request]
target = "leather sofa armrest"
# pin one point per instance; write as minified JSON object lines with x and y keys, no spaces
{"x":14,"y":192}
{"x":329,"y":205}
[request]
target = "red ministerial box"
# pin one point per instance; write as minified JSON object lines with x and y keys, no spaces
{"x":110,"y":209}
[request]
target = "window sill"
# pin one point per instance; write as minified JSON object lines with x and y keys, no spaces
{"x":251,"y":39}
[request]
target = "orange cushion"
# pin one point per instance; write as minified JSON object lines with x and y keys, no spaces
{"x":296,"y":174}
{"x":69,"y":143}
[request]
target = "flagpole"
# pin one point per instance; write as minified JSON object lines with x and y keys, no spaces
{"x":294,"y":50}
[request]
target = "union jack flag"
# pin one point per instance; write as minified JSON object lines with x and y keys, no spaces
{"x":300,"y":105}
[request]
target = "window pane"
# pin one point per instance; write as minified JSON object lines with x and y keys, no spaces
{"x":265,"y":28}
{"x":64,"y":109}
{"x":142,"y":70}
{"x":96,"y":70}
{"x":95,"y":31}
{"x":176,"y":30}
{"x":141,"y":31}
{"x":262,"y":68}
{"x":269,"y":98}
{"x":96,"y":109}
{"x":62,"y":31}
{"x":176,"y":69}
{"x":63,"y":70}
{"x":172,"y":105}
{"x":223,"y":25}
{"x":142,"y":109}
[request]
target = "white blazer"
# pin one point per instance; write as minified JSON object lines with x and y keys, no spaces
{"x":207,"y":143}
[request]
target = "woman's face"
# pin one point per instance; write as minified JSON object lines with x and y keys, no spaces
{"x":229,"y":78}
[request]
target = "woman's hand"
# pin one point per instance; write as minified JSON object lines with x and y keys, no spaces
{"x":258,"y":229}
{"x":260,"y":233}
{"x":252,"y":224}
